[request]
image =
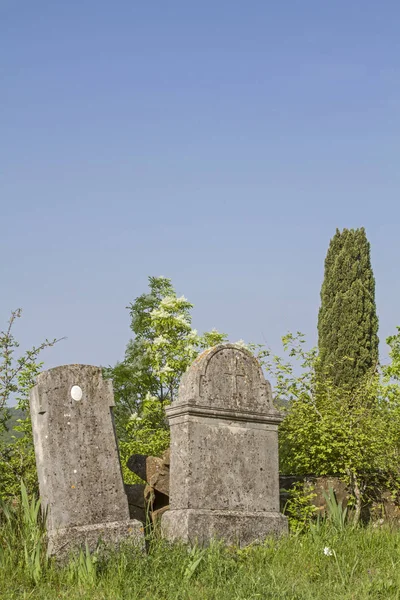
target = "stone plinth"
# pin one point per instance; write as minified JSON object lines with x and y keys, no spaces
{"x":77,"y":459}
{"x":224,"y":478}
{"x":240,"y":528}
{"x":62,"y":541}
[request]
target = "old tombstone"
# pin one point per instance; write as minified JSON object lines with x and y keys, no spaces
{"x":77,"y":459}
{"x":224,"y":478}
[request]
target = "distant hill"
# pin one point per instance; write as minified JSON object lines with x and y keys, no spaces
{"x":281,"y":404}
{"x":15,"y":414}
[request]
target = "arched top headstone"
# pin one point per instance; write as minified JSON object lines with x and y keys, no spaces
{"x":227,"y":377}
{"x":224,"y":470}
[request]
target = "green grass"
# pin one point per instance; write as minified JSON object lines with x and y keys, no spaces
{"x":362,"y":562}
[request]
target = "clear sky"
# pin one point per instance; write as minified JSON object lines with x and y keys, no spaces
{"x":217,"y":143}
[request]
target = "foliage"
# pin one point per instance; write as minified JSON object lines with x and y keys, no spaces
{"x":14,"y":415}
{"x":196,"y":556}
{"x":17,"y":376}
{"x":299,"y":508}
{"x":17,"y":461}
{"x":147,"y":380}
{"x":144,"y":435}
{"x":337,"y":515}
{"x":347,"y":320}
{"x":22,"y":535}
{"x":82,"y":568}
{"x":18,"y":457}
{"x":331,"y":430}
{"x":392,"y":370}
{"x":16,"y":372}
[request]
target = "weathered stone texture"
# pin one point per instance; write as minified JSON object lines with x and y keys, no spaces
{"x":155,"y":471}
{"x":228,"y":378}
{"x":76,"y":451}
{"x":224,"y":451}
{"x":63,"y":541}
{"x":241,"y":528}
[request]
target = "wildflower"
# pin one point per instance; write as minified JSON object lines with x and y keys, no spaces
{"x":327,"y":551}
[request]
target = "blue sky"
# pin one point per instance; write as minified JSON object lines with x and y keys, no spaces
{"x":216,"y":143}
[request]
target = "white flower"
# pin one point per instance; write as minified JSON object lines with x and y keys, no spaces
{"x":159,"y":313}
{"x":172,"y":302}
{"x":134,"y":417}
{"x":327,"y":551}
{"x":182,"y":319}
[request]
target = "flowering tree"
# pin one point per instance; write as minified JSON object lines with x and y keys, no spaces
{"x":147,"y":380}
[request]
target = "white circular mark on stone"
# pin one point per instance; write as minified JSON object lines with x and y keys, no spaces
{"x":76,"y":393}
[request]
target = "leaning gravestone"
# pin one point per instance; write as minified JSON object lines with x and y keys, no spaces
{"x":224,"y":478}
{"x":77,"y":460}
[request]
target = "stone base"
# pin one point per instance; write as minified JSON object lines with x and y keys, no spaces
{"x":64,"y":541}
{"x":241,"y":528}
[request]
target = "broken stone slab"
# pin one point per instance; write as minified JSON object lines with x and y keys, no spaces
{"x":166,"y":457}
{"x":154,"y":465}
{"x":154,"y":499}
{"x":135,"y":494}
{"x":137,"y":513}
{"x":157,"y":514}
{"x":160,"y":482}
{"x":137,"y":464}
{"x":155,"y":494}
{"x":149,"y":495}
{"x":152,"y":469}
{"x":144,"y":466}
{"x":160,"y":479}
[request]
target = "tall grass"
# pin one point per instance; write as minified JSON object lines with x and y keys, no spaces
{"x":331,"y":560}
{"x":22,"y":537}
{"x":336,"y":514}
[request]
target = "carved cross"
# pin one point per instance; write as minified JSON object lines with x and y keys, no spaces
{"x":235,"y":374}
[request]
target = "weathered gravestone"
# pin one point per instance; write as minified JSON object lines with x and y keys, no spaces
{"x":224,"y":478}
{"x":77,"y":459}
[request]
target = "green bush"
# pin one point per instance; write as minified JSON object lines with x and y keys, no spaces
{"x":299,"y":508}
{"x":17,"y":376}
{"x":329,"y":430}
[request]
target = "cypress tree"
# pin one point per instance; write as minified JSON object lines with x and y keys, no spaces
{"x":347,"y":320}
